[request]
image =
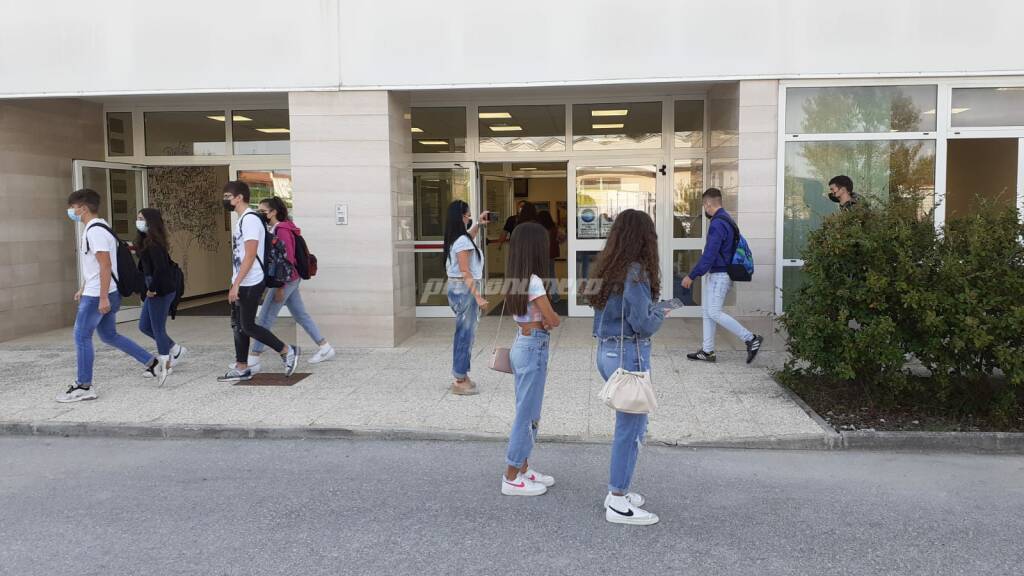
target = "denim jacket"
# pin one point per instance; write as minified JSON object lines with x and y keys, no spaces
{"x":642,"y":319}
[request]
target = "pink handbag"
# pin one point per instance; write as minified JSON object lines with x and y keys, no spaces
{"x":501,"y":359}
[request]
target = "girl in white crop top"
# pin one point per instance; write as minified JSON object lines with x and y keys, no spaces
{"x":528,"y":259}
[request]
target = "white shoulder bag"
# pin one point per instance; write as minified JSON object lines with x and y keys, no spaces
{"x":628,"y":391}
{"x":501,"y":360}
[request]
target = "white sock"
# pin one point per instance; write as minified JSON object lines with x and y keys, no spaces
{"x":253,"y":360}
{"x":164,"y":360}
{"x":325,"y":345}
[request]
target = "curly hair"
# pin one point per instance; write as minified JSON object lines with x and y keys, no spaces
{"x":632,"y":239}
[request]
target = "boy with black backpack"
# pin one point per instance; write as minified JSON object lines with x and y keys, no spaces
{"x":249,"y":243}
{"x":100,"y":296}
{"x":719,"y":261}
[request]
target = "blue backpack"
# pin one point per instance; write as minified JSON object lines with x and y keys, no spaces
{"x":741,"y":266}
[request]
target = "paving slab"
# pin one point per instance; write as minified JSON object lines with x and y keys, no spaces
{"x":405,"y":388}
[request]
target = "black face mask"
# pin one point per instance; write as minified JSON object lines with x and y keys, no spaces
{"x":469,"y":224}
{"x":227,"y":205}
{"x":709,"y":216}
{"x":833,"y":197}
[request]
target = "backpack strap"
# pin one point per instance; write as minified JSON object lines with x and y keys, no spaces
{"x":735,"y":231}
{"x":117,"y":240}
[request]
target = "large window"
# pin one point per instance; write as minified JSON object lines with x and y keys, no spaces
{"x":438,"y":130}
{"x":190,"y":133}
{"x":522,"y":128}
{"x":689,"y":124}
{"x":119,"y":134}
{"x":878,"y":168}
{"x":603,"y":192}
{"x":260,"y":131}
{"x":623,"y":126}
{"x":866,"y":109}
{"x":687,"y":206}
{"x":266,"y":183}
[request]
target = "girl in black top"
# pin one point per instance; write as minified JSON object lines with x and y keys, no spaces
{"x":161,"y":290}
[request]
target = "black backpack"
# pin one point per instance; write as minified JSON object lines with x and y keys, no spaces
{"x":305,"y":263}
{"x":277,"y":270}
{"x":179,"y":288}
{"x":124,"y":270}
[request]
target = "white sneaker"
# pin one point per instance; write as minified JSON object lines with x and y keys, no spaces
{"x":254,"y":367}
{"x":150,"y":371}
{"x":521,"y":487}
{"x":163,"y":369}
{"x":77,"y":394}
{"x":620,"y":510}
{"x":322,"y":355}
{"x":178,"y":354}
{"x":535,"y":476}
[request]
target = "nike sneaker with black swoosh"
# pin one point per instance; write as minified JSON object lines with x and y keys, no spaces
{"x":622,"y":510}
{"x":521,"y":487}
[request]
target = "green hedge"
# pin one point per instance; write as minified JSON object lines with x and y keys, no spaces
{"x":884,"y":291}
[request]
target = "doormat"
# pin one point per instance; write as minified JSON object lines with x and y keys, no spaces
{"x":273,"y":379}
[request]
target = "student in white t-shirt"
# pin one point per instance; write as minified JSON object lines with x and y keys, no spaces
{"x":98,"y":299}
{"x":465,"y":267}
{"x":248,"y":240}
{"x":527,"y":300}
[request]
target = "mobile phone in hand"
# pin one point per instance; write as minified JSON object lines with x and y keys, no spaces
{"x":669,"y":304}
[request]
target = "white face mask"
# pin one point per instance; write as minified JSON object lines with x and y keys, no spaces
{"x":141,"y":225}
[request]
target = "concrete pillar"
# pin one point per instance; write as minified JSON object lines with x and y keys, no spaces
{"x":38,"y":267}
{"x":758,"y":160}
{"x":355,"y":149}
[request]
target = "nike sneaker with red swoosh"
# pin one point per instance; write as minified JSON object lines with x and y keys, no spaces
{"x":535,"y":476}
{"x":521,"y":487}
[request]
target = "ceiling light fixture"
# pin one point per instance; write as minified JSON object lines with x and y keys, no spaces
{"x":959,"y":110}
{"x":416,"y":130}
{"x":607,"y":126}
{"x":932,"y":111}
{"x":433,"y":142}
{"x":236,"y":118}
{"x":528,"y":168}
{"x":494,"y":115}
{"x":609,"y":112}
{"x":273,"y":130}
{"x":505,"y":128}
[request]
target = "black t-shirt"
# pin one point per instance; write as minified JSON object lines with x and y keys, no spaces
{"x":510,"y":224}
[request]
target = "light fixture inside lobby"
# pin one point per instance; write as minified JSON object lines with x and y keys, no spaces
{"x":959,"y":110}
{"x":235,"y":118}
{"x":494,"y":115}
{"x":416,"y":130}
{"x":505,"y":128}
{"x":433,"y":142}
{"x":607,"y":126}
{"x":273,"y":130}
{"x":609,"y":112}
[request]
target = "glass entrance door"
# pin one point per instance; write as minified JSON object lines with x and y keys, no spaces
{"x":598,"y":192}
{"x":435,"y":186}
{"x":497,"y":198}
{"x":122,"y":190}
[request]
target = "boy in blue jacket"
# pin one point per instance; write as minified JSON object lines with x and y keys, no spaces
{"x":718,"y":253}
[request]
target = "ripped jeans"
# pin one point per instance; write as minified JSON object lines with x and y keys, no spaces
{"x":629,"y":428}
{"x":467,"y":315}
{"x":529,"y":356}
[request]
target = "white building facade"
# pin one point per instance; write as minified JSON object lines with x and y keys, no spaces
{"x":370,"y":117}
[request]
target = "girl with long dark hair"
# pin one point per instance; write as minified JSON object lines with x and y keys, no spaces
{"x":154,"y":254}
{"x":629,"y":281}
{"x":275,"y":211}
{"x":465,"y":267}
{"x":531,"y":309}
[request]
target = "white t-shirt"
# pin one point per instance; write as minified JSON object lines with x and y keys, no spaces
{"x":536,"y":290}
{"x":476,"y":263}
{"x":248,"y":228}
{"x":98,"y":240}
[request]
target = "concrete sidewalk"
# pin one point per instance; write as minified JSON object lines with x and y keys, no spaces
{"x":406,"y":389}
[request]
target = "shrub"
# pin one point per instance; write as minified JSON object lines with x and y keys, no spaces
{"x":882,"y":288}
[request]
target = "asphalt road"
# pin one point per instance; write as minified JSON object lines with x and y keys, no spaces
{"x":87,"y":506}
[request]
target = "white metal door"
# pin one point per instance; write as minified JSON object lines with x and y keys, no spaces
{"x":122,"y":190}
{"x":598,"y":191}
{"x":435,"y":186}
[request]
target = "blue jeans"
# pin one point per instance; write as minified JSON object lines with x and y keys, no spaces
{"x":293,"y":300}
{"x":529,"y":357}
{"x":89,"y":320}
{"x":719,"y":284}
{"x":467,"y":315}
{"x":629,"y":428}
{"x":153,"y":321}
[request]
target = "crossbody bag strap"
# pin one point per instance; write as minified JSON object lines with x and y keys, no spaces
{"x":622,"y":327}
{"x":500,"y":317}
